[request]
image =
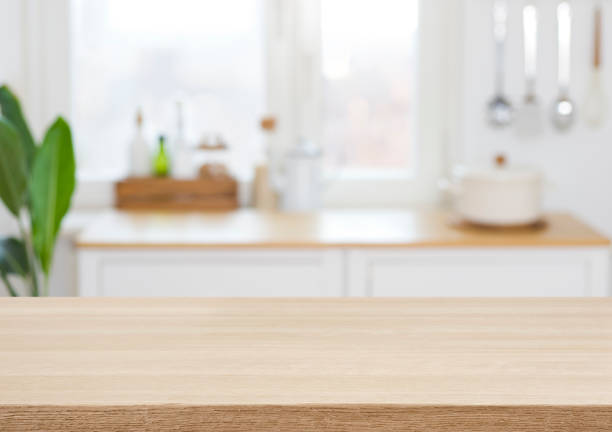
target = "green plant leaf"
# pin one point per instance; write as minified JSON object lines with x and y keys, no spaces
{"x":13,"y":257}
{"x":51,"y":186}
{"x":11,"y":110}
{"x":13,"y":177}
{"x":7,"y":283}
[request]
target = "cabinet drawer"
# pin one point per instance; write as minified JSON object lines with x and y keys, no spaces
{"x":479,"y":273}
{"x":180,"y":273}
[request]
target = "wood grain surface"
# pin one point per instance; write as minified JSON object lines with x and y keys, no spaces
{"x":306,"y":364}
{"x":307,"y":418}
{"x":339,"y":228}
{"x":164,"y":193}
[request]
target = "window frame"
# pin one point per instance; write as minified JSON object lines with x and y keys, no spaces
{"x":294,"y":65}
{"x":292,"y":60}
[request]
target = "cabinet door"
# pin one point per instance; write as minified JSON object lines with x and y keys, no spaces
{"x":479,"y":272}
{"x":210,"y":273}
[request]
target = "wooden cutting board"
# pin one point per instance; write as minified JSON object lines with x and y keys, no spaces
{"x":102,"y":364}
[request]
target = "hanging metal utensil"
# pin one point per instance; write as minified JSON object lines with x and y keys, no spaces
{"x":564,"y":109}
{"x":499,"y":109}
{"x":595,"y":106}
{"x":529,"y":118}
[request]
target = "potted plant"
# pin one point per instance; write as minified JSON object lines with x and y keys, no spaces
{"x":36,"y":186}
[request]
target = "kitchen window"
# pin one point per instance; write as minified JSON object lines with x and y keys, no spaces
{"x":126,"y":54}
{"x":343,"y":73}
{"x":368,"y":65}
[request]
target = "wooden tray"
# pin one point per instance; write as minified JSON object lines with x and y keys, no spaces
{"x":152,"y":193}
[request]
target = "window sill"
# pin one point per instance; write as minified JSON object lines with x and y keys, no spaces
{"x":344,"y":190}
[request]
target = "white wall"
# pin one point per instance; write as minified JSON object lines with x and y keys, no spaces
{"x":577,"y":163}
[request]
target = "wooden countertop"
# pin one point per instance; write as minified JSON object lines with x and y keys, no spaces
{"x":339,"y":228}
{"x":501,"y":365}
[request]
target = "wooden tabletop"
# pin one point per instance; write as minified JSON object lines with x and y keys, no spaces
{"x":306,"y":364}
{"x":331,"y":228}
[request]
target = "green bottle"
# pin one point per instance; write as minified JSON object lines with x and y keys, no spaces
{"x":161,"y":162}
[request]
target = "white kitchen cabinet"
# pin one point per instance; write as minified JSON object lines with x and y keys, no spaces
{"x":479,"y":272}
{"x":335,"y":253}
{"x":418,"y":272}
{"x":210,"y":273}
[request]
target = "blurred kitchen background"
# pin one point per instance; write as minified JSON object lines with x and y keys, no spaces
{"x":300,"y":117}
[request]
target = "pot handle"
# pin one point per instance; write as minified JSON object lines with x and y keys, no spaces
{"x":449,"y":187}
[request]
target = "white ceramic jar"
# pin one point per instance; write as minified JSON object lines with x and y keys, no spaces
{"x":497,"y":196}
{"x":301,"y":187}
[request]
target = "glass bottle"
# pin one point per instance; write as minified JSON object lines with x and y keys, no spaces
{"x":140,"y":155}
{"x":161,"y":162}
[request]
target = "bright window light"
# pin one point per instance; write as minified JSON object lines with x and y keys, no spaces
{"x":368,"y":72}
{"x":150,"y":53}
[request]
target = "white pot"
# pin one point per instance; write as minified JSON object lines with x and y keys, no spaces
{"x":499,"y":196}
